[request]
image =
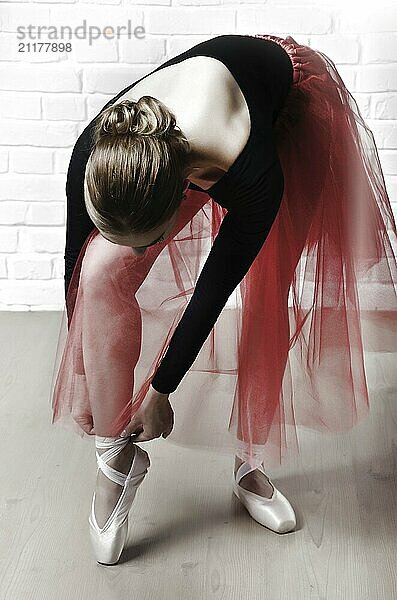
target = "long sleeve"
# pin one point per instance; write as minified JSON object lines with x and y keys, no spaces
{"x":78,"y":222}
{"x":241,"y":235}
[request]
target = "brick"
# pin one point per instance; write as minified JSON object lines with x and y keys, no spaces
{"x":177,"y":45}
{"x":3,"y":267}
{"x":13,"y":16}
{"x":15,"y":307}
{"x":143,"y":51}
{"x":12,"y":212}
{"x":46,"y":307}
{"x":364,"y":104}
{"x":4,"y":161}
{"x":31,"y":160}
{"x":394,"y":207}
{"x":348,"y":74}
{"x":384,"y":134}
{"x":354,"y":20}
{"x":95,"y":103}
{"x":69,"y":107}
{"x":108,"y":80}
{"x":391,"y":186}
{"x":38,"y":133}
{"x":299,"y":19}
{"x":20,"y":105}
{"x":376,"y":78}
{"x":41,"y":239}
{"x":384,"y":106}
{"x":32,"y":187}
{"x":29,"y":266}
{"x":46,"y":78}
{"x":58,"y":1}
{"x":22,"y":295}
{"x":45,"y":213}
{"x":95,"y":16}
{"x":378,"y":48}
{"x":101,"y":50}
{"x":199,"y":3}
{"x":155,"y":2}
{"x":80,"y":128}
{"x":58,"y":267}
{"x":194,"y":20}
{"x":96,"y":2}
{"x":61,"y":160}
{"x":339,"y":48}
{"x":10,"y":48}
{"x":8,"y":239}
{"x":388,"y":159}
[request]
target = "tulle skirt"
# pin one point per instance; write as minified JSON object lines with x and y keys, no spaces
{"x":288,"y":348}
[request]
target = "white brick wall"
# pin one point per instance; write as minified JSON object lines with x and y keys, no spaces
{"x":47,"y":98}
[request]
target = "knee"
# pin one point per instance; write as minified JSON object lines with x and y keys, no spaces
{"x":100,"y":265}
{"x":108,"y":271}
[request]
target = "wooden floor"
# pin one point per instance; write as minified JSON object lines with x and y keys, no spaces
{"x":189,"y":537}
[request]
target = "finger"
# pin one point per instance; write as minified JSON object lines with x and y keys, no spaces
{"x":131,"y":428}
{"x":145,"y":436}
{"x":141,"y":438}
{"x":170,"y":428}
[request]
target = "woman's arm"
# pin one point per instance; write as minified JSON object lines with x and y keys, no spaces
{"x":239,"y":240}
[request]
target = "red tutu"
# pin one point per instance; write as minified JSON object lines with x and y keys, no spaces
{"x":288,"y":349}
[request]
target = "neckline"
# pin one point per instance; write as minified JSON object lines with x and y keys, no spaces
{"x":241,"y":154}
{"x":232,"y":167}
{"x":239,"y":157}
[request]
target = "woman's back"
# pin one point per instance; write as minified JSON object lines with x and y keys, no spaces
{"x":209,"y":108}
{"x":220,"y":90}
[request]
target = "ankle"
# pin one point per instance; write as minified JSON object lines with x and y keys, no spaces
{"x":237,"y":463}
{"x":123,"y":459}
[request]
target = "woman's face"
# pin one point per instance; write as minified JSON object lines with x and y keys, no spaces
{"x":140,"y":241}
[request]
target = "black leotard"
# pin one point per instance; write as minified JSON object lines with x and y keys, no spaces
{"x":251,"y":191}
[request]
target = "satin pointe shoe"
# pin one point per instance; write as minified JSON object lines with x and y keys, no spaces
{"x":275,"y":513}
{"x":108,"y":541}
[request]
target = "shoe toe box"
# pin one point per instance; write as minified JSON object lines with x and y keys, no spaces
{"x":275,"y":513}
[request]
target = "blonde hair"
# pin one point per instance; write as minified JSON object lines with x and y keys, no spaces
{"x":135,"y":173}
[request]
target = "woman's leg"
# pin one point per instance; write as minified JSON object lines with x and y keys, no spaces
{"x":111,"y":334}
{"x":111,"y":329}
{"x":270,"y":336}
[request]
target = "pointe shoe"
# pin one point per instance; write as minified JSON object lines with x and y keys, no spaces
{"x":275,"y":513}
{"x":108,"y":541}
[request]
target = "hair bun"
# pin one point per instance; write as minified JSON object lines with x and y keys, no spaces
{"x":146,"y":116}
{"x":118,"y":118}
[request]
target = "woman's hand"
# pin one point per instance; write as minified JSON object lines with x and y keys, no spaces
{"x":154,"y":418}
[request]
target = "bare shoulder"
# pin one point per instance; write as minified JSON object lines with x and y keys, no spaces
{"x":208,"y":105}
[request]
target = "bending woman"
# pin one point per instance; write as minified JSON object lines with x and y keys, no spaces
{"x":210,"y":123}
